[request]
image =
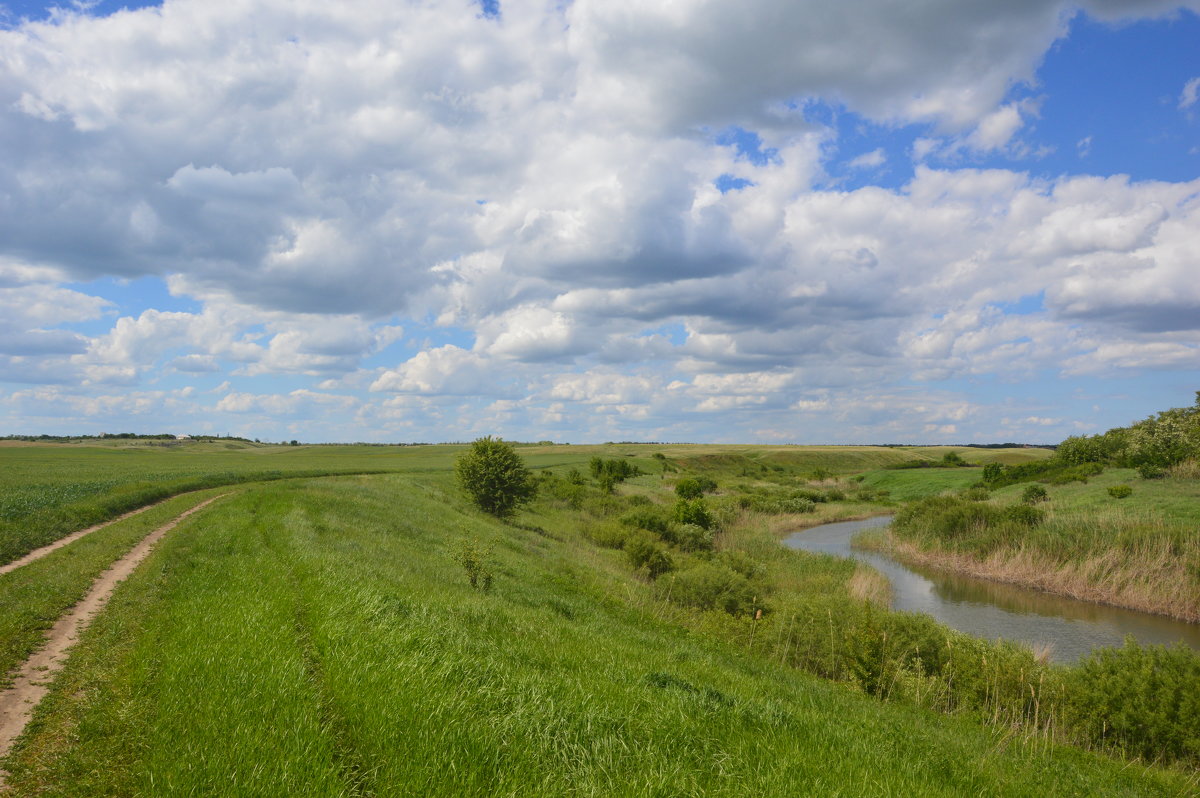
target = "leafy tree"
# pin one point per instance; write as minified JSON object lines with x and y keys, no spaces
{"x":494,"y":476}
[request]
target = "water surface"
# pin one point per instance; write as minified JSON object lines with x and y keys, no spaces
{"x":1069,"y":627}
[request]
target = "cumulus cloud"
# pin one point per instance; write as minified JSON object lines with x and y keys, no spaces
{"x":544,"y":184}
{"x":444,"y":370}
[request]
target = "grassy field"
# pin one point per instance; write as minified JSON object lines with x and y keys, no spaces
{"x":318,"y":638}
{"x":48,"y":491}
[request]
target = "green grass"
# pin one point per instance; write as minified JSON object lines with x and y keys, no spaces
{"x":47,"y":492}
{"x":318,"y":639}
{"x":917,"y":483}
{"x":35,"y":595}
{"x":1169,"y":498}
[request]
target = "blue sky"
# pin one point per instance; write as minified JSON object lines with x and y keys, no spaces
{"x":599,"y":220}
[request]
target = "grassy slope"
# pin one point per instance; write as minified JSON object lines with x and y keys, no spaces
{"x":319,"y":640}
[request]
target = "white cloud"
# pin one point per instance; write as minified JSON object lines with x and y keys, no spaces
{"x":868,"y":160}
{"x":1190,"y":93}
{"x":543,"y":186}
{"x":997,"y":129}
{"x":445,"y":370}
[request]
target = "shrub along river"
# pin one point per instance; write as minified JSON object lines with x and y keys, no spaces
{"x":1069,"y":628}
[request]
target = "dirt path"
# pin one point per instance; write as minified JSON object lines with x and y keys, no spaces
{"x":38,"y":554}
{"x":32,"y":680}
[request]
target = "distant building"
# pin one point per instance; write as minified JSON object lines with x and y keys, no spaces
{"x":183,"y":437}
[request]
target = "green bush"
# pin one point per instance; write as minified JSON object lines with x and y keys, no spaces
{"x":1054,"y":471}
{"x":964,"y":524}
{"x":475,"y":560}
{"x":1120,"y":491}
{"x":710,"y":586}
{"x":976,"y":493}
{"x":1034,"y":494}
{"x":565,"y":490}
{"x":644,"y":551}
{"x":616,"y":470}
{"x":692,"y":511}
{"x":652,"y":518}
{"x":690,"y":537}
{"x":742,"y":563}
{"x":694,"y":487}
{"x":993,"y":473}
{"x":1023,"y":514}
{"x":494,"y":476}
{"x":1148,"y":471}
{"x":776,"y":506}
{"x":795,"y":506}
{"x":1145,"y":700}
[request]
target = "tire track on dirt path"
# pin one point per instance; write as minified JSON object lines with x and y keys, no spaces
{"x":32,"y":680}
{"x":38,"y":554}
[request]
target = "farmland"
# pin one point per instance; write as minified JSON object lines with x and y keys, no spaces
{"x":314,"y":635}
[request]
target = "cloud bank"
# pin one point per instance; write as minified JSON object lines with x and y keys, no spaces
{"x":417,"y":220}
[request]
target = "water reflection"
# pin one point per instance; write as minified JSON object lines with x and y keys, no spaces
{"x":1067,"y":627}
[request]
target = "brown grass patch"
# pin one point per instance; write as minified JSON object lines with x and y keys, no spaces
{"x":870,"y":586}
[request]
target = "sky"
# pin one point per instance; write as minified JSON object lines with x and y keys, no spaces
{"x":599,"y":220}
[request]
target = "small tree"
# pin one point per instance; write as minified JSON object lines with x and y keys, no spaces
{"x":494,"y":476}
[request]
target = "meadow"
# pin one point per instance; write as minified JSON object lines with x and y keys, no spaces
{"x":320,"y":636}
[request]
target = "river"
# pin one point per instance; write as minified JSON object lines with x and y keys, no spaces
{"x":1067,"y":627}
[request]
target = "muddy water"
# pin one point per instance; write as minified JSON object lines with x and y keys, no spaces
{"x":1070,"y":628}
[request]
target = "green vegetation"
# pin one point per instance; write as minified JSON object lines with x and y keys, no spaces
{"x":319,"y":639}
{"x":494,"y":476}
{"x":1142,"y":553}
{"x":606,"y":637}
{"x":1033,"y":494}
{"x":1163,"y":440}
{"x":34,"y":596}
{"x":47,"y":492}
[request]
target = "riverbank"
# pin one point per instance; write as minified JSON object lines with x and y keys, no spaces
{"x":1153,"y":581}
